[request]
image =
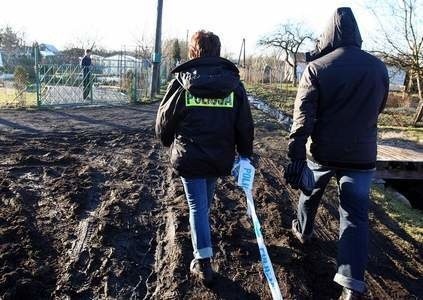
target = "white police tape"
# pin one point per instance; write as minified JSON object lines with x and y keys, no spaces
{"x":246,"y":174}
{"x":245,"y":180}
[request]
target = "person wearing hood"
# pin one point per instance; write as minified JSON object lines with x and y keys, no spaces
{"x":205,"y":119}
{"x":341,"y":93}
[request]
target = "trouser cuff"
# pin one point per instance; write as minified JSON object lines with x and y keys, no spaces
{"x":350,"y":283}
{"x":203,"y":253}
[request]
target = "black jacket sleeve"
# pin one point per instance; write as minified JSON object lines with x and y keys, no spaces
{"x":167,"y":115}
{"x":244,"y":126}
{"x":386,"y":86}
{"x":305,"y":108}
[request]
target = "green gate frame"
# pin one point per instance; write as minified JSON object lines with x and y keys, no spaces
{"x":65,"y":80}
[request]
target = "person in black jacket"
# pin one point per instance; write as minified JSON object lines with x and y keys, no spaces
{"x":204,"y":118}
{"x":341,"y":93}
{"x":86,"y":72}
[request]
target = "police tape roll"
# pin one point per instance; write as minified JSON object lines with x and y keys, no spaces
{"x":245,"y":180}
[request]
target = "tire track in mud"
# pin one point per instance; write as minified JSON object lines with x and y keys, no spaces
{"x":169,"y":237}
{"x":79,"y":256}
{"x":29,"y":169}
{"x":108,"y":194}
{"x":104,"y":198}
{"x":112,"y":253}
{"x":21,"y":240}
{"x":86,"y":225}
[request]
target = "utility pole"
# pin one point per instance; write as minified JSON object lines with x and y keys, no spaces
{"x":243,"y":40}
{"x":187,"y":44}
{"x":157,"y":55}
{"x":240,"y":54}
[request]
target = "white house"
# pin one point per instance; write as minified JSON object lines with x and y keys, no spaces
{"x":120,"y":64}
{"x":47,"y":50}
{"x":396,"y":78}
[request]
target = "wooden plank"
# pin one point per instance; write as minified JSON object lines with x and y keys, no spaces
{"x":392,"y":153}
{"x":398,"y":174}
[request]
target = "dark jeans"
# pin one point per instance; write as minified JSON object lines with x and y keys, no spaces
{"x":87,"y":86}
{"x":353,"y":188}
{"x":199,"y":193}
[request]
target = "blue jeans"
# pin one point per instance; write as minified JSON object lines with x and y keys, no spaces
{"x":353,"y":189}
{"x":199,"y":193}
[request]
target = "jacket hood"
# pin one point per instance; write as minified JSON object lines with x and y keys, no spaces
{"x":341,"y":31}
{"x":208,"y":77}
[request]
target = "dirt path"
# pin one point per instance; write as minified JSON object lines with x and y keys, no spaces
{"x":89,"y":209}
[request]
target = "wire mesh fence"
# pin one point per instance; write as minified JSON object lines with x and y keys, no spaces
{"x":108,"y":80}
{"x":31,"y":79}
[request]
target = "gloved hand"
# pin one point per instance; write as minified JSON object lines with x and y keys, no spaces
{"x":299,"y":176}
{"x":235,"y":167}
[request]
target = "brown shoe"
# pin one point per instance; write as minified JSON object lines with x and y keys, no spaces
{"x":348,"y":294}
{"x":201,"y":268}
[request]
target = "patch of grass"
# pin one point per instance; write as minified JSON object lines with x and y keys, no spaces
{"x":414,"y":134}
{"x":281,"y":96}
{"x":412,"y":130}
{"x":8,"y":98}
{"x":409,"y":219}
{"x":393,"y":116}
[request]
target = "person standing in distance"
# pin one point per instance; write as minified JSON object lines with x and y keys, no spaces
{"x":204,"y":118}
{"x":340,"y":95}
{"x":86,"y":72}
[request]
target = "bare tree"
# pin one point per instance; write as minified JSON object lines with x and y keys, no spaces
{"x":144,"y":47}
{"x":172,"y":51}
{"x":289,"y":38}
{"x":176,"y":52}
{"x":401,"y":24}
{"x":85,"y":41}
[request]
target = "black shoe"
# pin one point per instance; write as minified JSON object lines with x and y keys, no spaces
{"x":348,"y":294}
{"x":201,"y":268}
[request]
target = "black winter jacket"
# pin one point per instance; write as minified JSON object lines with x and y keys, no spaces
{"x":85,"y":64}
{"x":204,"y":116}
{"x":341,"y":93}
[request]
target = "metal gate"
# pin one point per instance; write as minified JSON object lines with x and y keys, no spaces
{"x":114,"y":80}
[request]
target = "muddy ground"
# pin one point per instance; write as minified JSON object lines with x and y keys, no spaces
{"x":89,"y":209}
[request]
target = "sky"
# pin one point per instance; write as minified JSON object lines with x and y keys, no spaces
{"x":115,"y":24}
